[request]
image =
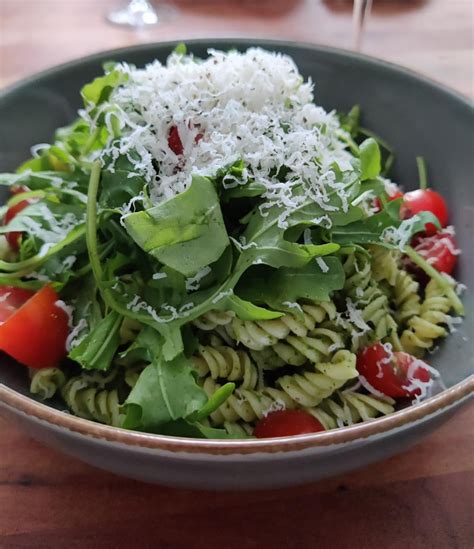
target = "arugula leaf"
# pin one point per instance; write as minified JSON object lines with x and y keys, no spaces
{"x":46,"y":215}
{"x":119,"y":187}
{"x":146,"y":345}
{"x":98,"y":348}
{"x":180,"y":49}
{"x":100,"y":88}
{"x":186,"y":232}
{"x":265,"y":242}
{"x":350,"y":121}
{"x":165,"y":391}
{"x":369,"y":230}
{"x":276,"y":286}
{"x":249,"y":190}
{"x":370,"y":159}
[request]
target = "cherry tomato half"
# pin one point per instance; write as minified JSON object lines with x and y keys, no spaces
{"x":390,"y":373}
{"x":425,"y":200}
{"x":35,"y":332}
{"x":13,"y":237}
{"x":11,"y":299}
{"x":440,"y":250}
{"x":284,"y":423}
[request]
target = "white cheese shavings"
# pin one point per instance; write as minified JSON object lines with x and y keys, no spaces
{"x":292,"y":305}
{"x":5,"y":296}
{"x":67,"y":309}
{"x":76,"y":335}
{"x":192,"y":283}
{"x":252,"y":106}
{"x":222,"y":295}
{"x":374,"y":391}
{"x":322,"y":264}
{"x":159,"y":276}
{"x":424,"y":388}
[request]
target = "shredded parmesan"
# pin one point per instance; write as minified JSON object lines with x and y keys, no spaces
{"x":252,"y":106}
{"x":292,"y":305}
{"x":222,"y":295}
{"x":322,"y":264}
{"x":67,"y":309}
{"x":192,"y":283}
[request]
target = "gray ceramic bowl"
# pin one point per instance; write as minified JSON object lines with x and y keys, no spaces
{"x":418,"y":117}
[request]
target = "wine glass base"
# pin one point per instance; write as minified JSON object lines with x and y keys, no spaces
{"x":137,"y":18}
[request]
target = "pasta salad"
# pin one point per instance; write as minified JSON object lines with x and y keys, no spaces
{"x":206,"y":252}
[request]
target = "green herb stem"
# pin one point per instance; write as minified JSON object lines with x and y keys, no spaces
{"x":91,"y":222}
{"x":28,"y":195}
{"x":442,"y":282}
{"x":422,"y":176}
{"x":90,"y":142}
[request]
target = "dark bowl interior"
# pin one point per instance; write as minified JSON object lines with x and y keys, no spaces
{"x":415,"y":115}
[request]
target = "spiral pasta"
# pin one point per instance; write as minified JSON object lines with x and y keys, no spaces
{"x":46,"y":382}
{"x":369,"y":302}
{"x":305,"y":390}
{"x":225,"y":362}
{"x":243,"y":430}
{"x":245,"y":404}
{"x":91,"y":402}
{"x":310,"y":388}
{"x":349,"y":407}
{"x":384,"y":264}
{"x":406,"y":298}
{"x":213,"y":319}
{"x":424,"y":328}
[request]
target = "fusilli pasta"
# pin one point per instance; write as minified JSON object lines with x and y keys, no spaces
{"x":91,"y":402}
{"x":46,"y":382}
{"x":429,"y":325}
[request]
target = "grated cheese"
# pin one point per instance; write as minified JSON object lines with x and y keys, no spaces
{"x":222,"y":295}
{"x":322,"y":264}
{"x":192,"y":283}
{"x":252,"y":106}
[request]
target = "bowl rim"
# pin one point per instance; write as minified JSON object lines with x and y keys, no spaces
{"x":24,"y":404}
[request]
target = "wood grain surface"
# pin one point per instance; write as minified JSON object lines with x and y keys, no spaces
{"x":423,"y":498}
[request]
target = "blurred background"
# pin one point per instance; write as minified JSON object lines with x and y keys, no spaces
{"x":434,"y":37}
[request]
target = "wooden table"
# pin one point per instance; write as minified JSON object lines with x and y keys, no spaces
{"x":422,"y":498}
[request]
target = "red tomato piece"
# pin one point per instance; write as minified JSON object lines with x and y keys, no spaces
{"x":13,"y":237}
{"x":174,"y":141}
{"x":440,"y":250}
{"x":425,"y":200}
{"x":393,"y":374}
{"x":284,"y":423}
{"x":35,"y":333}
{"x":11,"y":299}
